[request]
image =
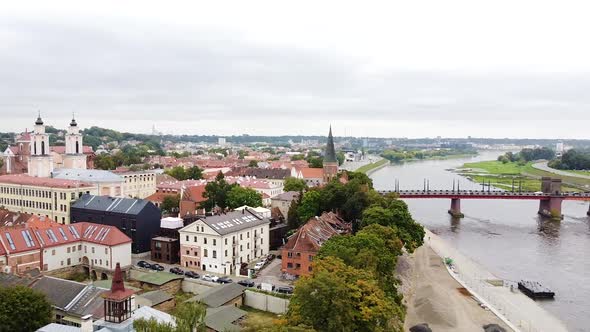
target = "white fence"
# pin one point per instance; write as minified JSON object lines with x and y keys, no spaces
{"x":266,"y":302}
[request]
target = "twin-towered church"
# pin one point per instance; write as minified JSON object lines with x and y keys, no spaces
{"x":32,"y":154}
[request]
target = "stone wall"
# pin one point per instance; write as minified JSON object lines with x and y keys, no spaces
{"x":196,"y":286}
{"x":266,"y":302}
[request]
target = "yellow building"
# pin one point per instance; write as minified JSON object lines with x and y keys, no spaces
{"x":138,"y":184}
{"x":42,"y":196}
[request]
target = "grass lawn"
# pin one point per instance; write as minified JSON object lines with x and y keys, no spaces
{"x":368,"y":167}
{"x":501,"y":176}
{"x":257,"y":319}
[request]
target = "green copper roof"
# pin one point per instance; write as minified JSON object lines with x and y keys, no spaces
{"x":330,"y":156}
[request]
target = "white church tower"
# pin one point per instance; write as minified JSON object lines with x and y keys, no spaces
{"x":40,"y":162}
{"x":74,"y":157}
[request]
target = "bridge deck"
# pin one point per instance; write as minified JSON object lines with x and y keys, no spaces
{"x":495,"y":194}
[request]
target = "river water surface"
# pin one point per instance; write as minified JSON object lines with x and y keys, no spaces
{"x":507,"y":237}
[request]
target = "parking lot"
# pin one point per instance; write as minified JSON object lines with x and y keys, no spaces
{"x":269,"y":274}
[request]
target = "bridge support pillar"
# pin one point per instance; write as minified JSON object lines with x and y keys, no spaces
{"x":455,"y":209}
{"x":551,"y":208}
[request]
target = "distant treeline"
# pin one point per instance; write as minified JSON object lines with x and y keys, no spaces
{"x":401,"y":155}
{"x":573,"y":160}
{"x":526,"y":155}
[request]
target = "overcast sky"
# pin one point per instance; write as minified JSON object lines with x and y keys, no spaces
{"x":417,"y":69}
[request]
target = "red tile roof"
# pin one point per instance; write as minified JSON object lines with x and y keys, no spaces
{"x":26,"y":180}
{"x":311,"y":236}
{"x":40,"y":233}
{"x":312,"y":173}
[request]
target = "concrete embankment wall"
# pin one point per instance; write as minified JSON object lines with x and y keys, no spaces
{"x":196,"y":286}
{"x":266,"y":302}
{"x":373,"y":170}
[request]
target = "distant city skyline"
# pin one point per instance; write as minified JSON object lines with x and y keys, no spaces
{"x":274,"y":69}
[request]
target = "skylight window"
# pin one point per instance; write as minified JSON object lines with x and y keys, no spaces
{"x":63,"y":234}
{"x":40,"y":238}
{"x":28,"y":238}
{"x":74,"y":231}
{"x":10,"y":242}
{"x":51,"y":235}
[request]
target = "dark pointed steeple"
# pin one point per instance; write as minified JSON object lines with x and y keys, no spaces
{"x":73,"y":123}
{"x":39,"y":121}
{"x":330,"y":156}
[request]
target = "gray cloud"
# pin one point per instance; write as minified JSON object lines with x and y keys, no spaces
{"x":129,"y":75}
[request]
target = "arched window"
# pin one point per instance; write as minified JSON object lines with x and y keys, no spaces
{"x":42,"y":147}
{"x":77,"y":147}
{"x":35,"y":148}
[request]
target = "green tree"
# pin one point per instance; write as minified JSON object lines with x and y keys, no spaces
{"x":297,"y":157}
{"x":392,"y":212}
{"x":104,"y":161}
{"x":253,"y":163}
{"x":194,"y":173}
{"x":170,"y":203}
{"x":1,"y":163}
{"x":23,"y":309}
{"x":239,"y":196}
{"x":340,"y":157}
{"x":316,"y":162}
{"x":338,"y":297}
{"x":177,"y":172}
{"x":310,"y":205}
{"x":294,"y":184}
{"x":216,"y":193}
{"x":293,"y":220}
{"x":188,"y":317}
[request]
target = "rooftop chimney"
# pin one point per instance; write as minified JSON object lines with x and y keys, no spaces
{"x":86,"y":324}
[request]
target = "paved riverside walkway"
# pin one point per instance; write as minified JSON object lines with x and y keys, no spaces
{"x":516,"y":309}
{"x":544,"y":167}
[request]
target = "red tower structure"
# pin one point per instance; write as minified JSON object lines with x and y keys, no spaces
{"x":118,"y":301}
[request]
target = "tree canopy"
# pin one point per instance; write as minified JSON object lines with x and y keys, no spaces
{"x":217,"y":192}
{"x":339,"y":297}
{"x":573,"y":160}
{"x":180,"y":173}
{"x":239,"y":196}
{"x":170,"y":203}
{"x":294,"y":184}
{"x":23,"y":309}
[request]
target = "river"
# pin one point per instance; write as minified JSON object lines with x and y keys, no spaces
{"x":507,"y":237}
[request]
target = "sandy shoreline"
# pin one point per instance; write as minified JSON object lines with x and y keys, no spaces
{"x":435,"y":297}
{"x":432,"y":296}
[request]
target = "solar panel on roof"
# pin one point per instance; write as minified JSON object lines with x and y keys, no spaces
{"x":10,"y":242}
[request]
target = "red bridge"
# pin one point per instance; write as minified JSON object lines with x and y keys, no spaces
{"x":550,"y":198}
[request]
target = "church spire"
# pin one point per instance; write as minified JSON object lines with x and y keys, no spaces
{"x":330,"y":156}
{"x":39,"y":121}
{"x":73,"y":123}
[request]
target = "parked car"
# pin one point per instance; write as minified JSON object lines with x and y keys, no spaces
{"x":284,"y":290}
{"x":224,"y":280}
{"x":144,"y":264}
{"x":246,"y":283}
{"x":208,"y":277}
{"x":157,"y":267}
{"x":176,"y":270}
{"x":191,"y":274}
{"x":258,"y":266}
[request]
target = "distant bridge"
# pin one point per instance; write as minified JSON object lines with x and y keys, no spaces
{"x":550,"y":198}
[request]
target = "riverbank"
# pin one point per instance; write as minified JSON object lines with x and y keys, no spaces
{"x":454,"y":300}
{"x":370,"y":168}
{"x":432,"y":296}
{"x":502,"y":175}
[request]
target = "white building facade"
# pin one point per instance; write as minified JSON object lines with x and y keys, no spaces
{"x":222,"y":243}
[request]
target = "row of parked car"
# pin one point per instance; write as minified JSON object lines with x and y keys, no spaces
{"x":146,"y":265}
